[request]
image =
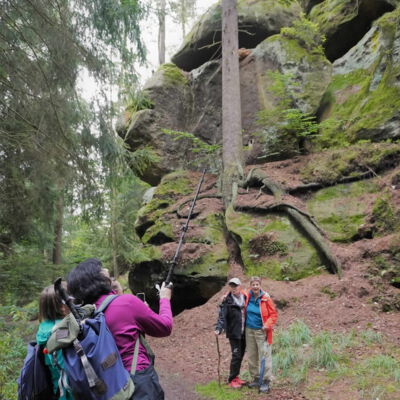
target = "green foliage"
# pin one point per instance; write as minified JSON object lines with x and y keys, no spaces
{"x":307,"y":34}
{"x":173,"y":75}
{"x":283,"y":127}
{"x":25,"y":273}
{"x":386,"y":217}
{"x":318,"y":360}
{"x":142,"y":159}
{"x":213,"y":391}
{"x":16,"y":329}
{"x":12,"y":352}
{"x":137,"y":100}
{"x":206,"y":154}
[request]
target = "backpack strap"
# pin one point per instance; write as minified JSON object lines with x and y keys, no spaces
{"x":94,"y":381}
{"x":149,"y":351}
{"x":105,"y":303}
{"x":135,"y":356}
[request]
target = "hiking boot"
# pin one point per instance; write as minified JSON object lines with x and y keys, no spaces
{"x":240,"y":381}
{"x":264,"y":388}
{"x":234,"y":384}
{"x":253,"y":385}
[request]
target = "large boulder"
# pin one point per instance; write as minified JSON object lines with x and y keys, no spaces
{"x":257,"y":20}
{"x":203,"y":260}
{"x":363,"y":99}
{"x":282,"y":73}
{"x":345,"y":22}
{"x":191,"y":102}
{"x":168,"y":94}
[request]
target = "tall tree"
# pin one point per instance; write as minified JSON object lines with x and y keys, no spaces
{"x":182,"y":12}
{"x":232,"y":143}
{"x":46,"y":130}
{"x":161,"y":14}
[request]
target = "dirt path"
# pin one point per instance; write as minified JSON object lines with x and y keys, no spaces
{"x":175,"y":387}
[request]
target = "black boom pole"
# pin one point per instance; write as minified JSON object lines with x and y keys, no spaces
{"x":183,"y":232}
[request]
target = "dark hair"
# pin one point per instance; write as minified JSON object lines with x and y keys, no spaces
{"x":50,"y":305}
{"x":87,"y":282}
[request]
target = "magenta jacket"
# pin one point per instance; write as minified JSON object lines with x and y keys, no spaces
{"x":126,"y":316}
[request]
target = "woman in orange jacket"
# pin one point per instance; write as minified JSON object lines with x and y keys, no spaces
{"x":261,"y":316}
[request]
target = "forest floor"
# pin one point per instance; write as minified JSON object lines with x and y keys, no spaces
{"x":189,"y":356}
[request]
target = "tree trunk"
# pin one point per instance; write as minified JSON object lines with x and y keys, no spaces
{"x":113,"y":227}
{"x":183,"y":18}
{"x":161,"y":32}
{"x":58,"y":228}
{"x":231,"y":111}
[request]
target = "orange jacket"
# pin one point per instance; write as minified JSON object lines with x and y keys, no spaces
{"x":269,"y":315}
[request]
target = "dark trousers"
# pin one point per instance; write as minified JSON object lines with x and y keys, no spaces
{"x":238,"y":347}
{"x":147,"y":386}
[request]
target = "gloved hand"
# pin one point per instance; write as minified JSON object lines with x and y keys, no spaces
{"x":166,"y":290}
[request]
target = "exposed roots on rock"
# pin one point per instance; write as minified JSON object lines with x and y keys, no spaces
{"x":319,"y":185}
{"x":301,"y":219}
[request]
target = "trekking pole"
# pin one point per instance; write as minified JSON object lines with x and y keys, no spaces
{"x":67,"y":300}
{"x":219,"y":361}
{"x":183,"y":232}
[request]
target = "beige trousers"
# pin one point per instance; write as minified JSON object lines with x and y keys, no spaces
{"x":258,"y":347}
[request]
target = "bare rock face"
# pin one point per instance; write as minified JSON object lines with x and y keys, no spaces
{"x":191,"y":102}
{"x":345,"y":22}
{"x":363,"y":99}
{"x":258,"y":19}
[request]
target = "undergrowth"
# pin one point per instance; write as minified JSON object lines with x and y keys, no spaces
{"x":314,"y":362}
{"x":16,"y":331}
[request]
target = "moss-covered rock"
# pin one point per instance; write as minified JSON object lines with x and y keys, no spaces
{"x":385,"y":214}
{"x":272,"y":247}
{"x":331,"y":166}
{"x":363,"y":99}
{"x":257,"y":20}
{"x":309,"y":72}
{"x":153,"y":219}
{"x":345,"y":22}
{"x":202,"y":265}
{"x":342,"y":209}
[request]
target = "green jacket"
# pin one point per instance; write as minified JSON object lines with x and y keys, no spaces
{"x":42,"y":335}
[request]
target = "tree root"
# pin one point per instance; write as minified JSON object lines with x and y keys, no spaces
{"x":301,"y":219}
{"x":305,"y":224}
{"x":317,"y":185}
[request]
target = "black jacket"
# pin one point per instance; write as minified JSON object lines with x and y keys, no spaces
{"x":230,"y":318}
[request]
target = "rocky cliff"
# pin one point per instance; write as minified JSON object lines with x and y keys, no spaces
{"x":320,"y":97}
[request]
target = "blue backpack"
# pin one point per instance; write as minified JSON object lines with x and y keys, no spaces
{"x":34,"y":382}
{"x":92,"y":362}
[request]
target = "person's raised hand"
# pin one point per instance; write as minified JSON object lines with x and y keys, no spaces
{"x":166,"y":291}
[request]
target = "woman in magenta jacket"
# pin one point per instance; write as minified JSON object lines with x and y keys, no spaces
{"x":127,"y":317}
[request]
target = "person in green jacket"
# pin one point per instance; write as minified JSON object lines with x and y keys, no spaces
{"x":52,"y":311}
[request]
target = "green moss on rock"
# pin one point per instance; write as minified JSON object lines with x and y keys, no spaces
{"x":213,"y":263}
{"x":173,"y":75}
{"x":286,"y":254}
{"x":330,"y":166}
{"x":361,"y":99}
{"x":340,"y":210}
{"x":386,"y":216}
{"x":170,"y":188}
